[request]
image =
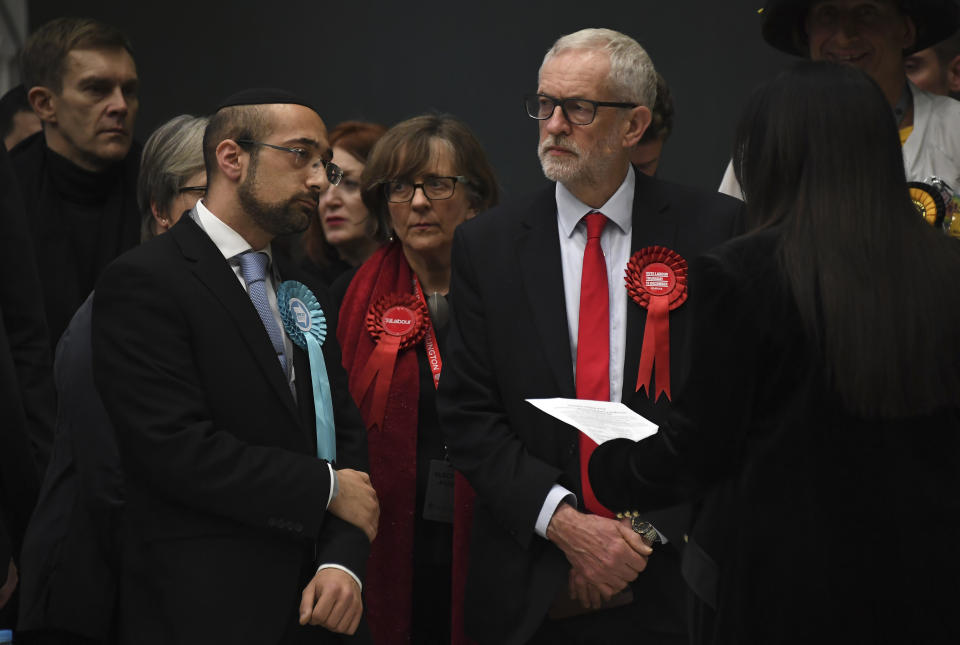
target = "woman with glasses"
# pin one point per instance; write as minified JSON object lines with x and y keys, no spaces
{"x":344,"y":234}
{"x":820,"y":422}
{"x":425,"y":177}
{"x":172,"y":176}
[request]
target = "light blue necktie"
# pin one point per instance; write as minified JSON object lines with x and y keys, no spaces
{"x":253,"y":266}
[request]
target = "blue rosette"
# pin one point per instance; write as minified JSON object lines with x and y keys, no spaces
{"x":306,"y":326}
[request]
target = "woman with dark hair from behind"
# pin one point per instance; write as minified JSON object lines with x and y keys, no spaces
{"x":820,"y":423}
{"x":344,"y":233}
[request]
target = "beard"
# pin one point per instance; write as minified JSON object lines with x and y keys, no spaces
{"x":277,"y":218}
{"x":585,"y":166}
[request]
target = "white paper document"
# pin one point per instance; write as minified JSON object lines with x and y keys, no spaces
{"x":599,"y":420}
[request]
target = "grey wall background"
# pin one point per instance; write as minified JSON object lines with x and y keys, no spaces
{"x":386,"y":61}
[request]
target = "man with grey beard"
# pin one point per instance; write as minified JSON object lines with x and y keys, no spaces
{"x":551,"y":317}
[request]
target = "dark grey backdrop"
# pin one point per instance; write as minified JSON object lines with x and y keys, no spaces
{"x":387,"y":61}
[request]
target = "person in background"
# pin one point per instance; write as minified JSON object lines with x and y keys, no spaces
{"x":937,"y":69}
{"x":424,"y":178}
{"x":172,"y":176}
{"x":821,"y":415}
{"x":78,"y":176}
{"x":17,"y":119}
{"x":72,"y":547}
{"x":876,"y":36}
{"x":645,"y":156}
{"x":27,"y":397}
{"x":345,"y":234}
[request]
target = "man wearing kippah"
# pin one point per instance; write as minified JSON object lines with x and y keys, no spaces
{"x":248,"y":516}
{"x":876,"y":36}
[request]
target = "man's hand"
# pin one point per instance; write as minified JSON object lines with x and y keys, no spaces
{"x":357,"y":501}
{"x":606,"y":554}
{"x":10,"y":585}
{"x":584,"y":592}
{"x":332,"y":600}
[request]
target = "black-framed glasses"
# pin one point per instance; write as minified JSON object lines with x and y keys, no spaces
{"x":193,"y":189}
{"x":401,"y":191}
{"x":577,"y":111}
{"x":303,"y":157}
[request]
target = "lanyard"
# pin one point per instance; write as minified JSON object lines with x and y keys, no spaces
{"x":430,"y":339}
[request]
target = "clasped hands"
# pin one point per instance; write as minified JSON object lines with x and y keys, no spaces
{"x":605,"y":554}
{"x":332,"y":598}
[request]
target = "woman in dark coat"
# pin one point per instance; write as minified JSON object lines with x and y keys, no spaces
{"x":820,"y":424}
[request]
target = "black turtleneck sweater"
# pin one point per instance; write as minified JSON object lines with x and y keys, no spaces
{"x":79,"y":221}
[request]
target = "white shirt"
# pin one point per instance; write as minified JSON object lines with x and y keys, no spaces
{"x":231,"y":244}
{"x":615,"y":242}
{"x":931,"y":150}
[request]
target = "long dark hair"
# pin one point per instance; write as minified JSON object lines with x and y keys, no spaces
{"x":817,"y":155}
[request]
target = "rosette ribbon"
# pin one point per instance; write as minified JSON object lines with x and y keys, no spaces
{"x":396,"y":322}
{"x":306,"y":325}
{"x":657,"y":281}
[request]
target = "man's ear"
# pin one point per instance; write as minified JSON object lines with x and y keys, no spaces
{"x":230,"y":159}
{"x":638,"y":123}
{"x":953,"y":75}
{"x":43,"y":102}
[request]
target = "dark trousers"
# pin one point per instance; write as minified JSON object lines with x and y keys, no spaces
{"x":603,"y":627}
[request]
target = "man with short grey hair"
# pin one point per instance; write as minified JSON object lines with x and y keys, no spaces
{"x":552,"y":318}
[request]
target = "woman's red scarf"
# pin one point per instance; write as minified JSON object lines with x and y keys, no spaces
{"x":393,"y":455}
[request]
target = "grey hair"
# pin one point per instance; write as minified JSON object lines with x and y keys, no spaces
{"x":632,"y":76}
{"x":171,"y":155}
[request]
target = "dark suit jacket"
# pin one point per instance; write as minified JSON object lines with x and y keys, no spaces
{"x":71,"y":550}
{"x":799,"y":490}
{"x":225,"y":495}
{"x":509,"y":341}
{"x":65,"y":280}
{"x":27,"y":397}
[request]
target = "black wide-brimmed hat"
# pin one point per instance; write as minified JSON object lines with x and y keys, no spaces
{"x":783,"y":23}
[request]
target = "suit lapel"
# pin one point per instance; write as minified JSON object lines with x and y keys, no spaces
{"x":301,"y":361}
{"x":538,"y":250}
{"x":652,"y":226}
{"x":215,"y":273}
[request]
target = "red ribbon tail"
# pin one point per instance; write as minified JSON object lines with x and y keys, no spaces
{"x":379,"y":373}
{"x":660,"y":314}
{"x":647,"y":351}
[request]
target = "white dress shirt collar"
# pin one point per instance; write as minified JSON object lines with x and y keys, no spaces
{"x":618,"y":209}
{"x":228,"y":241}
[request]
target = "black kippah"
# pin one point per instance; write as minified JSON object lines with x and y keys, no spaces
{"x":263,"y":96}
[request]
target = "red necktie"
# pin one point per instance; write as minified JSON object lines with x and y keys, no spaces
{"x":593,"y":343}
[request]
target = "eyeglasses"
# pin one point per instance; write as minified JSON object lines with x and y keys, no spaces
{"x":193,"y":189}
{"x":401,"y":191}
{"x":576,"y":111}
{"x":302,"y":158}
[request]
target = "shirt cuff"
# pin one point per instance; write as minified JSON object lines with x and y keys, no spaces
{"x":344,"y":569}
{"x":334,"y":485}
{"x":555,"y":497}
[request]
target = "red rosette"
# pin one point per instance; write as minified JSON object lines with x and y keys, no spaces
{"x":657,"y":281}
{"x":399,"y":316}
{"x":396,"y":322}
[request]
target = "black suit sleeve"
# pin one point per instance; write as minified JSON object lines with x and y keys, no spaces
{"x":85,"y":424}
{"x":482,"y":443}
{"x":145,"y":371}
{"x":704,"y":434}
{"x":21,"y":306}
